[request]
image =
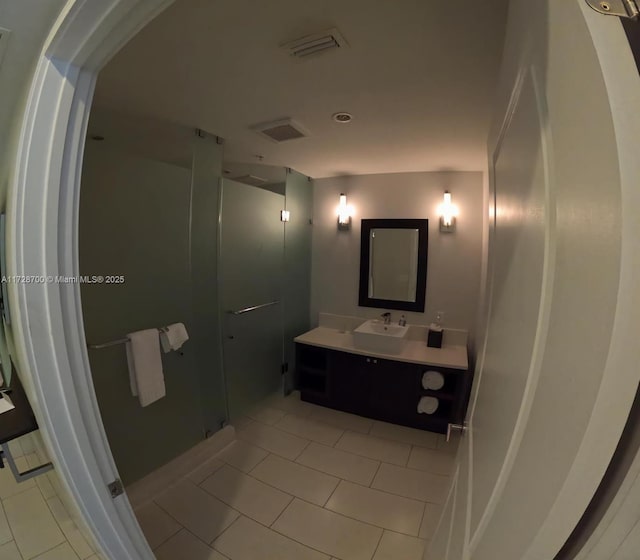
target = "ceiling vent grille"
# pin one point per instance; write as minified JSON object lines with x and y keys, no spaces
{"x":252,"y":180}
{"x":281,"y":131}
{"x":315,"y":44}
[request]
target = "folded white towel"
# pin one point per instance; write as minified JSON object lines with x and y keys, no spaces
{"x":433,"y":380}
{"x":145,"y":366}
{"x":428,"y":405}
{"x":173,"y":337}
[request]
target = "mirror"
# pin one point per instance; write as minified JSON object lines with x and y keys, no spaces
{"x":393,"y":264}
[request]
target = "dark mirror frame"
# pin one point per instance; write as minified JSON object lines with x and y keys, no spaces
{"x":421,"y":281}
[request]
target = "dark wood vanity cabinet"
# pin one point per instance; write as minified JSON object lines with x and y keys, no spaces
{"x":379,"y":388}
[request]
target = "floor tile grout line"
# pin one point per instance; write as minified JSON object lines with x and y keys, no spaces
{"x":324,"y":506}
{"x":305,"y":501}
{"x":55,"y":520}
{"x":20,"y":492}
{"x":368,"y":522}
{"x":378,"y":545}
{"x":182,"y":526}
{"x":293,"y":498}
{"x":305,"y":437}
{"x":261,"y":482}
{"x":335,"y":445}
{"x":301,"y":452}
{"x":435,"y":446}
{"x":13,"y":536}
{"x":368,"y":457}
{"x":212,"y":544}
{"x":340,"y":479}
{"x":283,"y":510}
{"x":44,"y":551}
{"x":376,"y":474}
{"x":167,"y":539}
{"x":255,"y":466}
{"x":275,"y":488}
{"x":293,"y":461}
{"x":424,"y":512}
{"x":329,"y":554}
{"x":380,"y":461}
{"x":269,"y":450}
{"x":64,"y":534}
{"x":392,"y":494}
{"x":342,"y":451}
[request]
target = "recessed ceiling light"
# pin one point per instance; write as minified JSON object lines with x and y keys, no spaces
{"x":342,"y":117}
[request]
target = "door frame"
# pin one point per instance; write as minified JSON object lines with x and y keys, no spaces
{"x":42,"y":240}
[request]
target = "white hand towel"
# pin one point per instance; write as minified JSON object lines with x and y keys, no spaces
{"x":173,"y":337}
{"x":145,"y":366}
{"x":428,"y":405}
{"x":433,"y":380}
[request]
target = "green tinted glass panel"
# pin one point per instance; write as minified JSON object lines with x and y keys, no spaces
{"x":134,"y":221}
{"x":251,"y":276}
{"x":297,"y":258}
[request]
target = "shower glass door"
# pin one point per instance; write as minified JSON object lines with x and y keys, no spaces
{"x":251,"y":271}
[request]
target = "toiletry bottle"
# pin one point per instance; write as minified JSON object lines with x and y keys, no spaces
{"x":434,"y":337}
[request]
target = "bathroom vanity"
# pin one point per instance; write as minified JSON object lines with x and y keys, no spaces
{"x":336,"y":372}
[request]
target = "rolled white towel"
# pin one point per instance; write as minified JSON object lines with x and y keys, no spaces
{"x":433,"y":380}
{"x":428,"y":405}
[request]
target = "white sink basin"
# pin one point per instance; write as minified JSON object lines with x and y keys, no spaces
{"x":374,"y":335}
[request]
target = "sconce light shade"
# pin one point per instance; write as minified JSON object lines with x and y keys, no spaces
{"x":344,"y":213}
{"x":448,"y":212}
{"x":285,"y":215}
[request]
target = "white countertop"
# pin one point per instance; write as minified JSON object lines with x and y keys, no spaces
{"x":415,"y":352}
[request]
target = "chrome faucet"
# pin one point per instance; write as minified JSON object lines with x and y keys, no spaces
{"x":387,"y":318}
{"x":403,"y":321}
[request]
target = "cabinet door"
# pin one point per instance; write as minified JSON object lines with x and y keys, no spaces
{"x":393,"y":394}
{"x":350,"y":382}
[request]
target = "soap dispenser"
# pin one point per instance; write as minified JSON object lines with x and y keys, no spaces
{"x":434,"y":338}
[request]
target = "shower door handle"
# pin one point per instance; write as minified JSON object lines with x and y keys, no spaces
{"x":253,"y":308}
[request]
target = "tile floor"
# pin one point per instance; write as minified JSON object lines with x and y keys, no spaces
{"x":303,"y":482}
{"x":35,"y":524}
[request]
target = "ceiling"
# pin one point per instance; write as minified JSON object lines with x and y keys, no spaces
{"x":418,"y":76}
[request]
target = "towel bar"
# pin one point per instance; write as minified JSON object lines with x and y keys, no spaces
{"x":253,"y":308}
{"x":119,"y":341}
{"x":107,"y":344}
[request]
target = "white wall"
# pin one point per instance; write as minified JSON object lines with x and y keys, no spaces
{"x":454,"y":260}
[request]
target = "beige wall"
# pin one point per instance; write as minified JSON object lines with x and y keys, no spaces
{"x":454,"y":261}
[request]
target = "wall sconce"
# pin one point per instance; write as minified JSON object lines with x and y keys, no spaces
{"x":344,"y":213}
{"x":448,"y":212}
{"x":285,"y":215}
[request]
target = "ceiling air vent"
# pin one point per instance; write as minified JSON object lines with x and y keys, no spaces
{"x":315,"y":44}
{"x":250,"y":180}
{"x":281,"y":131}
